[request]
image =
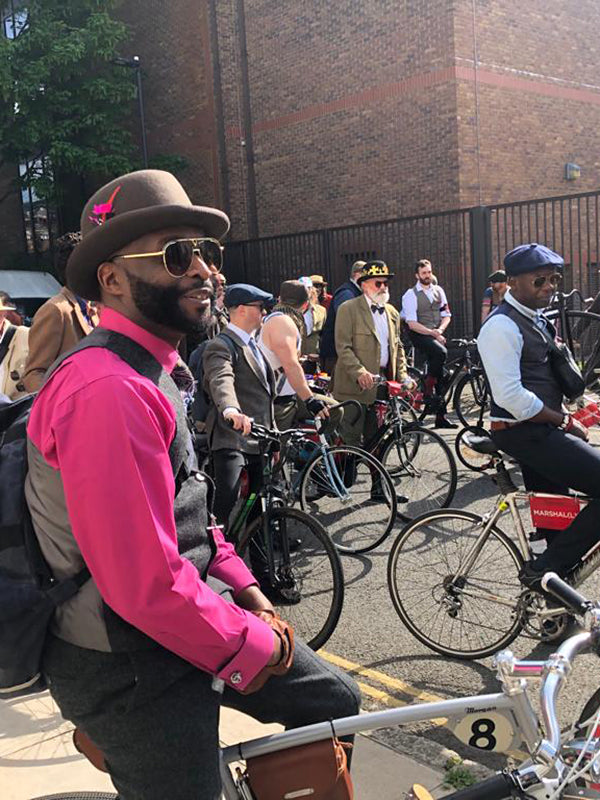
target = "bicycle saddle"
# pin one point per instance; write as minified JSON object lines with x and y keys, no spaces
{"x":481,"y":444}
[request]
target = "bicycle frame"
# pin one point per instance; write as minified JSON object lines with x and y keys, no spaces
{"x":515,"y":704}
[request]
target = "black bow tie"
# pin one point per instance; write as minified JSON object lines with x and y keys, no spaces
{"x":378,"y":309}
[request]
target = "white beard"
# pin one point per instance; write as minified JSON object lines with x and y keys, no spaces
{"x":380,"y":298}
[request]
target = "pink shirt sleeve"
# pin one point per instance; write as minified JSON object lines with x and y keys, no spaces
{"x":111,"y":447}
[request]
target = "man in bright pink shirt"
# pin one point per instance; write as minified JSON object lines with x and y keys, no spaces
{"x":134,"y":655}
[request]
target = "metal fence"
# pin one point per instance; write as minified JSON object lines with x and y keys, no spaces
{"x":464,"y":246}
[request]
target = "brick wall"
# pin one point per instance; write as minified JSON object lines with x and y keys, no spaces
{"x":173,"y":42}
{"x":352,"y":119}
{"x":538,"y":91}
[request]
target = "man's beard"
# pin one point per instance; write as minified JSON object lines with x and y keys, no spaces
{"x":161,"y":305}
{"x":425,"y":281}
{"x":380,"y":297}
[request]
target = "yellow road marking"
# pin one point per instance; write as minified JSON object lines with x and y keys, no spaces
{"x":380,"y":677}
{"x":386,"y":680}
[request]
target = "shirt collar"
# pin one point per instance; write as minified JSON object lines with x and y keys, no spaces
{"x":162,"y":351}
{"x":420,"y":288}
{"x":531,"y":313}
{"x":244,"y":335}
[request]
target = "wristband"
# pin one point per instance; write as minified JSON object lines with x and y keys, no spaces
{"x":567,"y":423}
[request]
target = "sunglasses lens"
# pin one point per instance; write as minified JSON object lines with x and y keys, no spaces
{"x":211,"y":253}
{"x":178,"y":257}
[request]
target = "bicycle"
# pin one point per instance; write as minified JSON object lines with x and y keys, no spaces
{"x":290,"y":551}
{"x":345,"y":488}
{"x":463,"y":383}
{"x":453,"y":575}
{"x":560,"y":764}
{"x":418,"y":460}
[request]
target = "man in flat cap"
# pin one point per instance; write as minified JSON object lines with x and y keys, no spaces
{"x":492,"y":297}
{"x":241,"y":386}
{"x":528,"y":418}
{"x":426,"y":312}
{"x":113,"y":486}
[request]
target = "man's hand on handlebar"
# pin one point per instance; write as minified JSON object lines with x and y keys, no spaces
{"x":240,"y":422}
{"x":366,"y":381}
{"x":316,"y":407}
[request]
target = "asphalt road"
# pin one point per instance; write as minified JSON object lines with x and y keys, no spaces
{"x":398,"y":667}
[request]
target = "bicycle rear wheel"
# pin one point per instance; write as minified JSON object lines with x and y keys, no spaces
{"x":465,"y":616}
{"x":422,"y":468}
{"x":352,"y":496}
{"x":471,"y":398}
{"x":313,"y":568}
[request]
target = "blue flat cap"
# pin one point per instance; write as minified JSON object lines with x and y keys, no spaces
{"x":242,"y":294}
{"x":529,"y":257}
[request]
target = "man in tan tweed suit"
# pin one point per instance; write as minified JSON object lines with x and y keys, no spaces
{"x":367,"y":341}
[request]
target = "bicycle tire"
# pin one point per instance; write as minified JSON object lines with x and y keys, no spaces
{"x":422,"y":468}
{"x":357,"y":521}
{"x":477,"y":462}
{"x":79,"y":796}
{"x":315,"y":617}
{"x":419,"y":378}
{"x":501,"y":621}
{"x":589,"y":712}
{"x":466,"y":406}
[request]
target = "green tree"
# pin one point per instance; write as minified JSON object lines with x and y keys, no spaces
{"x":64,"y":105}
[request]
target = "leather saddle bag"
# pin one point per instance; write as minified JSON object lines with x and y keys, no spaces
{"x":315,"y":771}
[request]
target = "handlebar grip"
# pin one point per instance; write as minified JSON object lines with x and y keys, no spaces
{"x":565,"y":593}
{"x":498,"y":787}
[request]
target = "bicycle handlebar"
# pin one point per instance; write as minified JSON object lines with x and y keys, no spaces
{"x":565,"y":593}
{"x":498,"y":787}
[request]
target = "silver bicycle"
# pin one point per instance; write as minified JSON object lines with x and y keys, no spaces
{"x":562,"y":764}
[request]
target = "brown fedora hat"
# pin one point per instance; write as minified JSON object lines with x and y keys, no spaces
{"x":125,"y":209}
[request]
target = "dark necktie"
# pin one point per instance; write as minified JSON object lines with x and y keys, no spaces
{"x":184,"y":381}
{"x":377,"y":309}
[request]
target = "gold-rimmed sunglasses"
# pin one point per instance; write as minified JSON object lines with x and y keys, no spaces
{"x":178,"y":255}
{"x":554,"y":280}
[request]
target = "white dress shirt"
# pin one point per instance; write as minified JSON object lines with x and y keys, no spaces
{"x":409,"y":301}
{"x":500,"y":345}
{"x":383,"y":333}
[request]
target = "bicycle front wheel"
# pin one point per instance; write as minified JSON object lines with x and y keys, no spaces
{"x":422,"y":468}
{"x":463,"y":614}
{"x":312,"y":570}
{"x":352,"y":496}
{"x":471,"y":398}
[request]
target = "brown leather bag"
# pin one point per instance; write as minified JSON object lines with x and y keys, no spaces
{"x":316,"y":771}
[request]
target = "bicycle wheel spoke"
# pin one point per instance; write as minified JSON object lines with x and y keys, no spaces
{"x":351,"y":495}
{"x":463,"y":614}
{"x":422,"y":469}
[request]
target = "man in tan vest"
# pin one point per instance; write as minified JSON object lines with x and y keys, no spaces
{"x":425,"y":310}
{"x":59,"y":324}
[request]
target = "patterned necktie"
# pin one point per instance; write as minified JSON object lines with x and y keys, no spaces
{"x":184,"y":381}
{"x":256,"y":353}
{"x":377,"y":309}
